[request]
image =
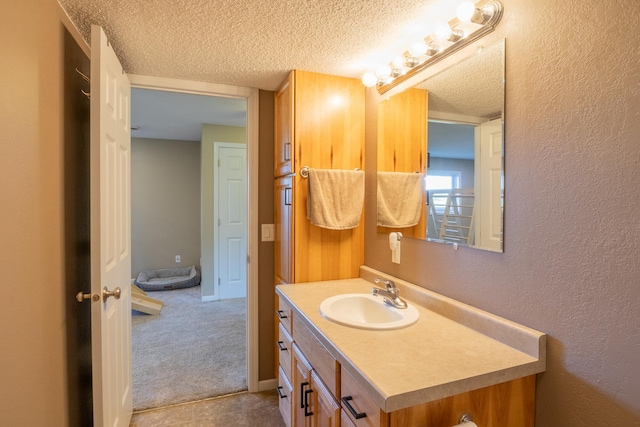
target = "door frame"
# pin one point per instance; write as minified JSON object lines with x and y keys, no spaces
{"x":216,"y":207}
{"x":252,"y":97}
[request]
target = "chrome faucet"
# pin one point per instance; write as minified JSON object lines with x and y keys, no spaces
{"x":389,"y":294}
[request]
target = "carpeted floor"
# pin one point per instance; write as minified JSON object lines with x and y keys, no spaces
{"x":192,"y":350}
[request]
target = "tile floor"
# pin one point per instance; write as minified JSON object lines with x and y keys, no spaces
{"x":241,"y":409}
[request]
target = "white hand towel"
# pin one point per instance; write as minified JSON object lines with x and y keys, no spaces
{"x":335,"y":198}
{"x":399,"y":199}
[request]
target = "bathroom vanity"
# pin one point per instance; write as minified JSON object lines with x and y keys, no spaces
{"x":454,"y":360}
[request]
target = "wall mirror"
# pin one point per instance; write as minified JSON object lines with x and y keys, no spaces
{"x":441,"y":155}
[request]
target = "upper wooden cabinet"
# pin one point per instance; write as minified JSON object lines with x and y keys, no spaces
{"x":325,"y":115}
{"x":319,"y":122}
{"x":284,"y":128}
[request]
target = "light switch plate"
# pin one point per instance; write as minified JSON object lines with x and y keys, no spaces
{"x":268,"y":232}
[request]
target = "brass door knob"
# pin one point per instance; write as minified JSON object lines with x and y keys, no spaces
{"x":106,"y":293}
{"x":81,"y":296}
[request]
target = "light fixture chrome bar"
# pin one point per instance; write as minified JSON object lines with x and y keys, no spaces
{"x":491,"y":12}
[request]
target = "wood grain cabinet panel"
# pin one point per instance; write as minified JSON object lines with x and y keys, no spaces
{"x":326,"y":126}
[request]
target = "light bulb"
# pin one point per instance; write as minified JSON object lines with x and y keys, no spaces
{"x":398,"y":62}
{"x":465,"y":11}
{"x":443,"y":32}
{"x":369,"y":79}
{"x":418,"y":48}
{"x":383,"y":72}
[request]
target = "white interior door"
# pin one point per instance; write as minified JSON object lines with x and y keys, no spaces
{"x":489,"y":183}
{"x":110,"y":235}
{"x":231,"y":210}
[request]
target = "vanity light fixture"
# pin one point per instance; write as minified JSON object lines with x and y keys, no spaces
{"x":473,"y":21}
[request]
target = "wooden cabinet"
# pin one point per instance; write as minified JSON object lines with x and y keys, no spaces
{"x":285,"y":401}
{"x":283,"y":239}
{"x":402,"y":144}
{"x":358,"y":406}
{"x":302,"y":391}
{"x":316,"y":391}
{"x":283,"y":127}
{"x":308,"y":380}
{"x":511,"y":403}
{"x":507,"y":404}
{"x":326,"y":411}
{"x":319,"y":124}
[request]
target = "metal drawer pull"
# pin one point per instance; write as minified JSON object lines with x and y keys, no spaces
{"x":281,"y":346}
{"x":281,"y":314}
{"x":280,"y":395}
{"x":355,"y":414}
{"x":307,"y":412}
{"x":287,"y":151}
{"x":302,"y":395}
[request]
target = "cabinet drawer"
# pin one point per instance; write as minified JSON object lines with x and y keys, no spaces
{"x":356,"y":401}
{"x":285,"y":352}
{"x":285,"y":315}
{"x":319,"y":358}
{"x":285,"y":394}
{"x":345,"y":421}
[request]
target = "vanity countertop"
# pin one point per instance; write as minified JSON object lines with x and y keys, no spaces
{"x":452,"y":349}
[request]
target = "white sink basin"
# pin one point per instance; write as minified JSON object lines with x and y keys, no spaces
{"x":366,"y":311}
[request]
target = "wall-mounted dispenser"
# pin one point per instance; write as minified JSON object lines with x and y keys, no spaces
{"x":394,"y":245}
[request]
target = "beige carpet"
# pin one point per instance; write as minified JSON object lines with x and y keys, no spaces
{"x":190,"y":351}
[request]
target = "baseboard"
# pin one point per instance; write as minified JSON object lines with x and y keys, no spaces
{"x":209,"y":298}
{"x":267,"y":384}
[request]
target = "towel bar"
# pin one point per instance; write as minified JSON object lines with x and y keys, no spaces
{"x":304,"y":171}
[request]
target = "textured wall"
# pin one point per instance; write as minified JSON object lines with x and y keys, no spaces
{"x":165,"y":204}
{"x":572,"y":237}
{"x":265,"y":249}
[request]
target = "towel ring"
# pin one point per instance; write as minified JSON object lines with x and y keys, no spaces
{"x":304,"y":171}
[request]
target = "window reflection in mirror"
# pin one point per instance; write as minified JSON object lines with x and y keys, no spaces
{"x":463,"y":184}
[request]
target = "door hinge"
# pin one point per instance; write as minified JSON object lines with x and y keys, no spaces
{"x":219,"y":163}
{"x":218,"y":280}
{"x":248,"y":259}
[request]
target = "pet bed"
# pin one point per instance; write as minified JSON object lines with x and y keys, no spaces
{"x":162,"y":280}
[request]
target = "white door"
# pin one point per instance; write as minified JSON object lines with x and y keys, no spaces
{"x":110,"y":235}
{"x":230,"y":201}
{"x":489,"y":186}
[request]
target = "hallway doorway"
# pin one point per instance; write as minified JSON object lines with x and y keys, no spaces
{"x":251,"y":360}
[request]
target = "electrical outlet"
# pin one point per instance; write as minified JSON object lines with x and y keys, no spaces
{"x":178,"y":259}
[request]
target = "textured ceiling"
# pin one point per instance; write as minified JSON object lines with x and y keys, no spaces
{"x":256,"y":43}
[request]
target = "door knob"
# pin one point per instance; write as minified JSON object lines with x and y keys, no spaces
{"x":106,"y":293}
{"x":81,"y":296}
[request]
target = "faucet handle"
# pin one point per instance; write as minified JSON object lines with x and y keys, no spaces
{"x":388,"y":284}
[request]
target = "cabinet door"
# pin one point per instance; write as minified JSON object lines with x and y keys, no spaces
{"x":329,"y":134}
{"x":284,"y":149}
{"x":283,"y":240}
{"x":285,"y":401}
{"x":302,"y":392}
{"x":326,"y":412}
